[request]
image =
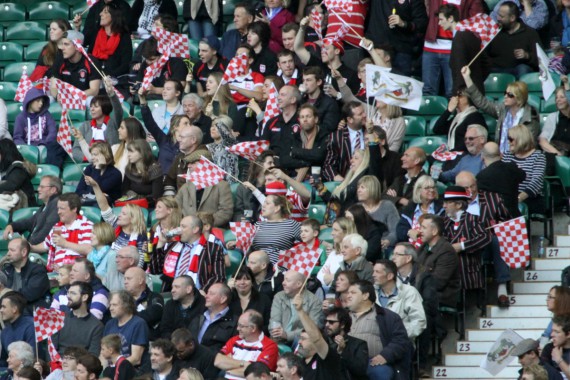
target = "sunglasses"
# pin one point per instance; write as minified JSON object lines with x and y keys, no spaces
{"x":509,"y":94}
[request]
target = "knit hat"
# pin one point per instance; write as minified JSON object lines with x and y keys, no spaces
{"x":524,"y":346}
{"x":456,"y":193}
{"x":195,"y":156}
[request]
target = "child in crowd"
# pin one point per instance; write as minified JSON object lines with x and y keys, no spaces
{"x":310,"y":229}
{"x":35,"y":125}
{"x":63,"y":275}
{"x":101,"y":240}
{"x":117,"y":366}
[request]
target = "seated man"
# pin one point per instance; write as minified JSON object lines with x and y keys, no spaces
{"x":267,"y":281}
{"x":150,"y":305}
{"x":283,"y":314}
{"x":186,"y":303}
{"x":69,"y":238}
{"x":191,"y":354}
{"x":291,"y":366}
{"x":401,"y":190}
{"x":527,"y":352}
{"x":17,"y":327}
{"x":250,"y":345}
{"x":475,"y":139}
{"x":405,"y":257}
{"x":556,"y":352}
{"x":162,"y":355}
{"x":402,"y":299}
{"x":127,"y":257}
{"x":25,"y":276}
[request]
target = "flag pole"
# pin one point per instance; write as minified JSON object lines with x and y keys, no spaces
{"x":345,"y":23}
{"x":222,"y":169}
{"x":36,"y":338}
{"x":481,"y":51}
{"x":240,"y":265}
{"x":71,"y":155}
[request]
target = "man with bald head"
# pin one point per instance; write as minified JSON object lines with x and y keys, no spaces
{"x":401,"y":190}
{"x":149,"y":304}
{"x":278,"y":129}
{"x":127,"y":257}
{"x":189,"y":139}
{"x":186,"y":303}
{"x":267,"y":282}
{"x":500,"y":177}
{"x":195,"y":256}
{"x":283,"y":312}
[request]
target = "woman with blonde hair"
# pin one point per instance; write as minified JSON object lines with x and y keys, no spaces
{"x":424,"y":201}
{"x":168,"y":216}
{"x":223,"y":103}
{"x":533,"y":162}
{"x":512,"y":111}
{"x":190,"y":374}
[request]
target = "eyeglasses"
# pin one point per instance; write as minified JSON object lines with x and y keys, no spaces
{"x":471,"y":138}
{"x":42,"y":186}
{"x":509,"y":94}
{"x":511,"y":139}
{"x":399,"y":254}
{"x":330,"y":321}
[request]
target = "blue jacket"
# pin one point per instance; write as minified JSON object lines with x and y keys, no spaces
{"x":396,"y":346}
{"x":22,"y":329}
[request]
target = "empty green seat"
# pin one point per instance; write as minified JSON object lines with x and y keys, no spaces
{"x":30,"y":153}
{"x":91,"y":213}
{"x":8,"y":91}
{"x":24,"y":213}
{"x":77,"y":117}
{"x":26,"y":32}
{"x":563,"y":170}
{"x":318,"y":212}
{"x":13,"y":110}
{"x":193,"y":46}
{"x":534,"y":101}
{"x":548,"y":106}
{"x":415,"y":127}
{"x":496,"y":84}
{"x":10,"y":52}
{"x":44,"y":169}
{"x":72,"y":173}
{"x":532,"y":81}
{"x":428,"y":143}
{"x":431,"y":106}
{"x":48,"y":10}
{"x":34,"y":50}
{"x":11,"y":13}
{"x":326,"y":235}
{"x":235,"y":259}
{"x":13,"y":71}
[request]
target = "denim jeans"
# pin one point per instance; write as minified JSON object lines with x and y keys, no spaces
{"x":200,"y":29}
{"x":517,"y":71}
{"x":402,"y":63}
{"x":380,"y":372}
{"x":433,"y":65}
{"x":502,"y":270}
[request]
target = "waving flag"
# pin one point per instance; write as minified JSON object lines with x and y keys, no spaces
{"x":442,"y":154}
{"x":545,"y":76}
{"x":70,"y":97}
{"x":482,"y":25}
{"x":24,"y":85}
{"x":300,"y":258}
{"x":153,"y":71}
{"x":317,"y":19}
{"x":47,"y":322}
{"x":249,"y":150}
{"x":338,"y":37}
{"x":513,"y":241}
{"x":91,"y":3}
{"x":244,"y":232}
{"x":393,"y":89}
{"x":205,"y":175}
{"x":341,"y":5}
{"x":64,"y":133}
{"x":236,"y":68}
{"x":175,"y":44}
{"x":271,"y":108}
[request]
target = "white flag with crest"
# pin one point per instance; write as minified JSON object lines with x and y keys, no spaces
{"x":545,"y":76}
{"x":393,"y":89}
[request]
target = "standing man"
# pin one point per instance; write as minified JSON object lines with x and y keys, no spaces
{"x":211,"y":62}
{"x":278,"y":129}
{"x":327,"y":107}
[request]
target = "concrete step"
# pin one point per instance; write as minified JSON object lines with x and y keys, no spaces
{"x":541,"y":275}
{"x":492,"y":335}
{"x":527,"y":299}
{"x":468,"y":347}
{"x":550,"y":264}
{"x":512,"y":323}
{"x":469,"y":360}
{"x":562,"y":240}
{"x":557,"y":253}
{"x":472,"y":373}
{"x":518,"y":311}
{"x":533,"y":287}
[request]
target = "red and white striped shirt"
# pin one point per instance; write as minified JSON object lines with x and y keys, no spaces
{"x":263,"y":350}
{"x":79,"y":232}
{"x":355,"y":19}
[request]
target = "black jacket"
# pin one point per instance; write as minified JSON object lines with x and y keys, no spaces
{"x":18,"y":177}
{"x":294,"y":156}
{"x":172,"y":317}
{"x":40,"y":224}
{"x":218,"y":333}
{"x":354,"y":357}
{"x":153,"y":304}
{"x":329,"y":114}
{"x":35,"y":283}
{"x":271,"y":285}
{"x":259,"y":302}
{"x":166,"y":6}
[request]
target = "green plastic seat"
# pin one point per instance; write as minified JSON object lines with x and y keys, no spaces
{"x":91,"y":213}
{"x":428,"y":143}
{"x":491,"y":125}
{"x":13,"y":71}
{"x":78,"y":8}
{"x":10,"y":52}
{"x":332,"y":185}
{"x":68,"y":189}
{"x":532,"y":81}
{"x":11,"y":13}
{"x":496,"y":84}
{"x":30,"y":153}
{"x":233,"y":189}
{"x":152,"y":218}
{"x":229,"y":235}
{"x":415,"y":127}
{"x":48,"y":10}
{"x":4,"y":218}
{"x":235,"y":259}
{"x":13,"y":110}
{"x":535,"y":102}
{"x":26,"y":33}
{"x":193,"y":46}
{"x":154,"y":148}
{"x":153,"y":104}
{"x":72,"y":173}
{"x":44,"y":169}
{"x":8,"y":91}
{"x":548,"y":106}
{"x":563,"y":170}
{"x":136,"y":43}
{"x":24,"y":213}
{"x":156,"y":282}
{"x":543,"y":117}
{"x":318,"y":212}
{"x":77,"y":117}
{"x":326,"y":235}
{"x":431,"y":106}
{"x":55,"y":110}
{"x":34,"y":50}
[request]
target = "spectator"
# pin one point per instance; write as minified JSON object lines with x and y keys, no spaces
{"x":195,"y":256}
{"x":189,"y":140}
{"x":223,"y":103}
{"x":268,"y":282}
{"x":211,"y":62}
{"x":278,"y":130}
{"x":277,"y":232}
{"x":70,"y":238}
{"x":327,"y":107}
{"x":172,"y":92}
{"x":125,"y":258}
{"x":162,"y":355}
{"x":88,"y":368}
{"x":276,"y":15}
{"x":532,"y":161}
{"x":290,"y":366}
{"x":142,"y":184}
{"x":265,"y":60}
{"x":29,"y":373}
{"x":150,"y":305}
{"x":244,"y":13}
{"x":92,"y":22}
{"x":17,"y":327}
{"x":78,"y":318}
{"x":74,"y":68}
{"x":555,"y":353}
{"x":111,"y":44}
{"x":16,"y":174}
{"x":143,"y":14}
{"x":340,"y":228}
{"x":353,"y":351}
{"x":83,"y":270}
{"x":130,"y":129}
{"x":68,"y":364}
{"x":534,"y":13}
{"x":475,"y":139}
{"x":535,"y":372}
{"x":191,"y":354}
{"x":553,"y":136}
{"x":282,"y":313}
{"x":367,"y":228}
{"x":405,"y":257}
{"x":47,"y":57}
{"x":42,"y":221}
{"x":250,"y":345}
{"x":35,"y":125}
{"x":20,"y":355}
{"x":221,"y":133}
{"x":455,"y":128}
{"x":389,"y":349}
{"x":353,"y":250}
{"x":288,"y":69}
{"x":217,"y":325}
{"x":514,"y":110}
{"x":401,"y":191}
{"x":257,"y":371}
{"x":425,"y":201}
{"x":116,"y":365}
{"x":202,"y":18}
{"x":132,"y":329}
{"x":389,"y":118}
{"x":388,"y":161}
{"x":513,"y":50}
{"x":528,"y":354}
{"x":186,"y":304}
{"x":343,"y":280}
{"x":103,"y":171}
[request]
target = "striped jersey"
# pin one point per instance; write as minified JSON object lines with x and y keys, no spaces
{"x":264,"y":350}
{"x":79,"y":232}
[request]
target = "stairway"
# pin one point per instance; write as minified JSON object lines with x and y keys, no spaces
{"x":527,"y":316}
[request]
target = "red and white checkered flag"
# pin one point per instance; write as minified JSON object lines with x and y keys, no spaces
{"x":175,"y":44}
{"x":64,"y":133}
{"x":24,"y":85}
{"x":153,"y":71}
{"x":271,"y":108}
{"x":339,"y":5}
{"x":69,"y":96}
{"x":442,"y":154}
{"x":249,"y":150}
{"x":482,"y":25}
{"x":205,"y":175}
{"x":317,"y":19}
{"x":47,"y":322}
{"x":300,"y":258}
{"x":338,"y":37}
{"x":244,"y":232}
{"x":236,"y":68}
{"x":513,"y":240}
{"x":91,"y":3}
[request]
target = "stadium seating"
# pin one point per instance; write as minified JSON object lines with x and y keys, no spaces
{"x":48,"y":10}
{"x":431,"y":106}
{"x":33,"y":51}
{"x":72,"y":173}
{"x":13,"y":71}
{"x":24,"y":213}
{"x":91,"y":213}
{"x":11,"y":13}
{"x":44,"y":169}
{"x":428,"y":143}
{"x":496,"y":84}
{"x":415,"y":127}
{"x":10,"y":52}
{"x":4,"y":217}
{"x":30,"y":153}
{"x":26,"y":32}
{"x":8,"y":91}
